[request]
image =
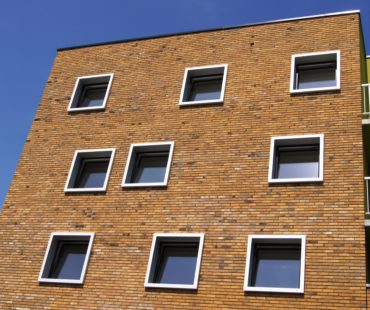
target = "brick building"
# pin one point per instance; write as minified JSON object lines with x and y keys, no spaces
{"x":219,"y":169}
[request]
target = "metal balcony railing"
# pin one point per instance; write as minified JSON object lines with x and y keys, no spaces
{"x":366,"y":99}
{"x":367,"y":194}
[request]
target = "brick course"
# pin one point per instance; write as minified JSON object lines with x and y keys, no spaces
{"x":218,"y":180}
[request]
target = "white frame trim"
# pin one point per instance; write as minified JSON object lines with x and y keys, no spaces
{"x":248,"y":288}
{"x":148,"y":145}
{"x":72,"y":170}
{"x":181,"y":237}
{"x":87,"y":257}
{"x":77,"y":85}
{"x":316,"y":89}
{"x":198,"y":102}
{"x":296,"y":180}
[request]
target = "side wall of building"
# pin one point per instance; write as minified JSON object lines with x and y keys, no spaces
{"x":218,"y":181}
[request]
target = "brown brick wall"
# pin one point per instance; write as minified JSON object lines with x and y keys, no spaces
{"x":218,"y":180}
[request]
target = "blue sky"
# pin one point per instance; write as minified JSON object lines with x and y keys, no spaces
{"x":31,"y":32}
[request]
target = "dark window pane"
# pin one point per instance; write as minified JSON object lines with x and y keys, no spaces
{"x":311,"y":76}
{"x":92,"y":95}
{"x":205,"y":89}
{"x":297,"y":162}
{"x":92,"y":173}
{"x":367,"y":245}
{"x":176,"y":264}
{"x":69,"y":260}
{"x":276,"y":266}
{"x":150,"y":167}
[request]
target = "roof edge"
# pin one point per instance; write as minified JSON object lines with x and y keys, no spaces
{"x":211,"y":29}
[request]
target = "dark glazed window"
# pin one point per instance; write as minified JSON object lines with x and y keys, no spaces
{"x":316,"y":75}
{"x":276,"y":265}
{"x":297,"y":161}
{"x":149,"y":167}
{"x":176,"y":263}
{"x":92,"y":172}
{"x":205,"y":87}
{"x":92,"y":95}
{"x":68,"y":260}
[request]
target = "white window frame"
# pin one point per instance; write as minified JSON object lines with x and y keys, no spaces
{"x":320,"y":178}
{"x":74,"y":170}
{"x":130,"y":162}
{"x":66,"y":236}
{"x":275,"y":239}
{"x":181,"y":237}
{"x":77,"y":92}
{"x":203,"y":68}
{"x":293,"y":90}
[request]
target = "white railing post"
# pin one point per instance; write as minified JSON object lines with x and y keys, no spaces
{"x":367,"y":195}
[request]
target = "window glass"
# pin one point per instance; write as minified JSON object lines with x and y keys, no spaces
{"x":176,"y":263}
{"x":315,"y":76}
{"x":150,"y":167}
{"x":69,"y":260}
{"x":92,"y":172}
{"x":205,"y":88}
{"x":276,"y":266}
{"x":297,"y":162}
{"x":92,"y":95}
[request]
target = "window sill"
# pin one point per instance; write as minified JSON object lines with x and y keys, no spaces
{"x":84,"y":190}
{"x":273,"y":290}
{"x":200,"y":102}
{"x":297,"y":180}
{"x":171,"y":286}
{"x":86,"y":109}
{"x":60,"y":281}
{"x":313,"y":90}
{"x":144,"y":184}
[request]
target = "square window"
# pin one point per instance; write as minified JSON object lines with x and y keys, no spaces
{"x":90,"y":92}
{"x":66,"y":258}
{"x":203,"y":85}
{"x":296,"y":159}
{"x":174,"y":261}
{"x":315,"y":72}
{"x":148,"y":164}
{"x":275,"y":264}
{"x":90,"y":170}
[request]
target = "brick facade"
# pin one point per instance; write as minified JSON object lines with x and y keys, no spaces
{"x":218,"y":180}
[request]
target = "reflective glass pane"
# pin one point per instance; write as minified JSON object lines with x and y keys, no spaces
{"x":297,"y":164}
{"x":279,"y":267}
{"x":177,"y":264}
{"x":316,"y":78}
{"x":150,"y":168}
{"x":92,"y":96}
{"x":92,"y":173}
{"x":69,"y":260}
{"x":205,"y":90}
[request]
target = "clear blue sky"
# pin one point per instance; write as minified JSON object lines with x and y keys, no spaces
{"x":32,"y":30}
